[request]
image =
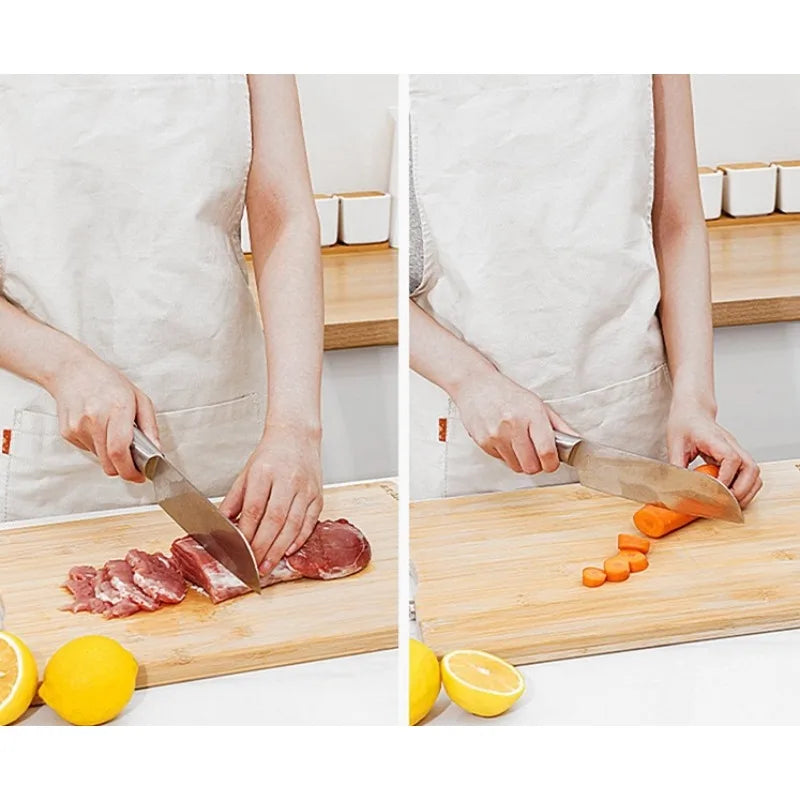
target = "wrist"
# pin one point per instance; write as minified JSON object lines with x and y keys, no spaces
{"x":699,"y":400}
{"x":464,"y":375}
{"x":305,"y":427}
{"x":64,"y":355}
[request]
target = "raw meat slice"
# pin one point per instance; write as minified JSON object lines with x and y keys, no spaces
{"x":201,"y":569}
{"x":116,"y":585}
{"x":156,"y":576}
{"x":81,"y":581}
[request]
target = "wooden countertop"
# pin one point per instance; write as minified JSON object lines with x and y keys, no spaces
{"x":755,"y":270}
{"x":360,"y":298}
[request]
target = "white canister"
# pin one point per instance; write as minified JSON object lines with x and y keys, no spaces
{"x":788,"y":186}
{"x":748,"y":189}
{"x":364,"y":217}
{"x":710,"y":191}
{"x":328,"y":213}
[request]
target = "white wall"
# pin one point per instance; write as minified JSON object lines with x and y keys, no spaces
{"x":348,"y":130}
{"x":746,"y":118}
{"x":757,"y":371}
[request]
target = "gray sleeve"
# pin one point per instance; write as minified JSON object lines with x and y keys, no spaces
{"x":416,"y":255}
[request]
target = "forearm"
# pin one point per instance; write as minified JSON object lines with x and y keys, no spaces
{"x":685,"y":313}
{"x":32,"y":349}
{"x":438,"y":355}
{"x":286,"y":257}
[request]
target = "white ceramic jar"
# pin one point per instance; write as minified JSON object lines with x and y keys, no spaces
{"x":748,"y":188}
{"x":364,"y":217}
{"x":711,"y":191}
{"x":328,"y":213}
{"x":788,"y":186}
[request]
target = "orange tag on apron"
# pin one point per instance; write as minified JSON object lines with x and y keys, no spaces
{"x":442,"y":429}
{"x":6,"y":441}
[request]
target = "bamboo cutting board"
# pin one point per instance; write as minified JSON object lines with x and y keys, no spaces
{"x":502,"y":573}
{"x":288,"y":623}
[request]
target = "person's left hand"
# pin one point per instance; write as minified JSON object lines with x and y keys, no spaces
{"x":692,"y":431}
{"x":277,"y":498}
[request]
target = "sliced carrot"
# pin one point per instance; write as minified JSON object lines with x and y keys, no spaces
{"x":637,"y":561}
{"x":617,"y":568}
{"x":593,"y":576}
{"x":656,"y":522}
{"x":629,"y":541}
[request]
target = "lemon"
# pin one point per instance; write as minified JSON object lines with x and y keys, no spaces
{"x":18,"y":678}
{"x":89,"y":680}
{"x":481,"y":683}
{"x":424,"y":680}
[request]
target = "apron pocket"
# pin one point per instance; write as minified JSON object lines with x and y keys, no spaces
{"x":44,"y":475}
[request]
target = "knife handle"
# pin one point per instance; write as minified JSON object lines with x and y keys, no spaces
{"x":565,"y":444}
{"x":145,"y":453}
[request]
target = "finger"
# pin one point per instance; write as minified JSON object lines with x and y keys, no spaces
{"x":557,"y":422}
{"x":525,"y":452}
{"x":676,"y":452}
{"x":745,"y":480}
{"x":257,"y":490}
{"x":541,"y":432}
{"x":271,"y":525}
{"x":70,"y":433}
{"x":757,"y":486}
{"x":309,"y":523}
{"x":146,"y":418}
{"x":507,"y":455}
{"x":231,"y":505}
{"x":729,"y":464}
{"x":119,"y":436}
{"x":295,"y":517}
{"x":99,"y":436}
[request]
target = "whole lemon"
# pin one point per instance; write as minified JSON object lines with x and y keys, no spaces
{"x":424,"y":681}
{"x":89,"y":680}
{"x":18,"y":678}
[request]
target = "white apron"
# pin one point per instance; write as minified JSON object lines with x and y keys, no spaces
{"x":535,"y":195}
{"x":120,"y":204}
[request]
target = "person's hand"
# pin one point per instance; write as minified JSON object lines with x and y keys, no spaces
{"x":277,"y":498}
{"x":510,"y":423}
{"x":692,"y":431}
{"x":97,"y":407}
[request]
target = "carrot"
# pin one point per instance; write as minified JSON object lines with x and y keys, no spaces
{"x":617,"y":568}
{"x":637,"y":561}
{"x":593,"y":576}
{"x":629,"y":541}
{"x":656,"y":522}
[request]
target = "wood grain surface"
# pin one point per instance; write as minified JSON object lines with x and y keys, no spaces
{"x":755,"y":271}
{"x":360,"y":296}
{"x":288,"y":623}
{"x":502,"y":572}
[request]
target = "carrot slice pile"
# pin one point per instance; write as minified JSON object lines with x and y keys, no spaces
{"x":656,"y":522}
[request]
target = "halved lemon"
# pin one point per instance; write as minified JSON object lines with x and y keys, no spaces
{"x":481,"y":683}
{"x":18,"y":678}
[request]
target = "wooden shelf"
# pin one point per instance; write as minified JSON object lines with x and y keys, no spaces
{"x":360,"y":296}
{"x":776,"y":218}
{"x":755,"y":270}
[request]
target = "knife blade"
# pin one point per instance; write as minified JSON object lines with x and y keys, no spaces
{"x":646,"y":480}
{"x":195,"y":513}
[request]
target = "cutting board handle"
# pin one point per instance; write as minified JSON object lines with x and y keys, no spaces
{"x":145,"y":453}
{"x":565,"y":444}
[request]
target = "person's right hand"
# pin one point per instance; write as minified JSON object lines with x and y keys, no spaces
{"x":97,"y":407}
{"x":510,"y":423}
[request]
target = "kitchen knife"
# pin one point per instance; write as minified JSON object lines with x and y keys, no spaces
{"x":647,"y":480}
{"x":195,"y":513}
